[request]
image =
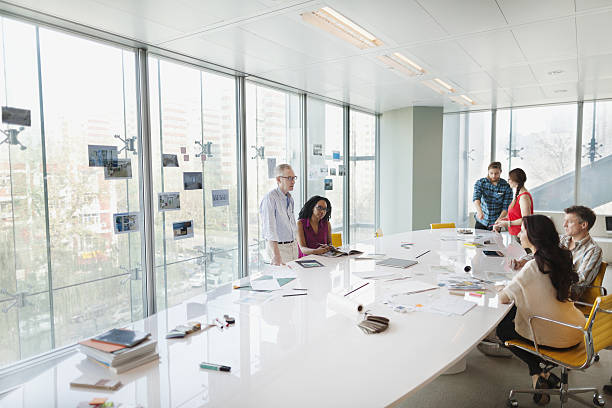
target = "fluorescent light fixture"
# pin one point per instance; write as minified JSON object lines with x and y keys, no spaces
{"x":402,"y":64}
{"x":335,"y":23}
{"x":439,"y":86}
{"x":462,"y":100}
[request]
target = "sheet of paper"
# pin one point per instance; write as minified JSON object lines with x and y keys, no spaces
{"x":451,"y":305}
{"x":255,"y":298}
{"x":265,"y":284}
{"x":374,"y":274}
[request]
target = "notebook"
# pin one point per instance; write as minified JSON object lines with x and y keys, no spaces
{"x":124,"y":337}
{"x":396,"y":262}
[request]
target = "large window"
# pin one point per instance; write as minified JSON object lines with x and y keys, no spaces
{"x":326,"y":162}
{"x":193,"y":133}
{"x":596,"y":162}
{"x":69,"y":265}
{"x":363,"y":176}
{"x":541,"y":141}
{"x":467,"y":153}
{"x":274,"y":136}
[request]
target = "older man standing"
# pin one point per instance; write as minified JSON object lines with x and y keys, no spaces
{"x":278,"y":218}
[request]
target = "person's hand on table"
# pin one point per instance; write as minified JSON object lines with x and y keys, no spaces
{"x":276,"y":260}
{"x":323,"y":248}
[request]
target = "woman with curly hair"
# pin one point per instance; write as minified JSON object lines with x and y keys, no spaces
{"x":541,"y":288}
{"x":313,"y":227}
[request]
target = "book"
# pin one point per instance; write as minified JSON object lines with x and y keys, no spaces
{"x":335,"y":252}
{"x":124,"y":337}
{"x":120,"y":356}
{"x":129,"y":365}
{"x":86,"y":381}
{"x":98,"y":345}
{"x":396,"y":262}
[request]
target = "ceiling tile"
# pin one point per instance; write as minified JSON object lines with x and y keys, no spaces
{"x":568,"y":90}
{"x":522,"y":11}
{"x":397,"y":21}
{"x":493,"y":49}
{"x":512,"y":77}
{"x":597,"y":66}
{"x":525,"y":95}
{"x":294,"y":34}
{"x":246,"y":43}
{"x":595,"y":89}
{"x":591,"y":4}
{"x":478,"y":81}
{"x":370,"y":70}
{"x":225,"y":10}
{"x":556,"y":39}
{"x":466,"y":15}
{"x":594,"y":33}
{"x":445,"y":57}
{"x":548,"y":72}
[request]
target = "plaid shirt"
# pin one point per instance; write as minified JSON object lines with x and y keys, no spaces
{"x":493,"y":199}
{"x":586,"y":256}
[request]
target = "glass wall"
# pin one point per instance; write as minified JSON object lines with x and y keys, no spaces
{"x":274,"y":136}
{"x":363,"y":176}
{"x":193,"y":134}
{"x":72,"y":219}
{"x":596,"y":160}
{"x":70,"y":263}
{"x":542,"y":141}
{"x":326,"y":161}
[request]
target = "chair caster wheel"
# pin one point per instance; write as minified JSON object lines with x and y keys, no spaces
{"x":512,"y":403}
{"x":598,"y":400}
{"x":596,"y":357}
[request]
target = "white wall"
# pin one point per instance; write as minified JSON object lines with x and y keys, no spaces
{"x":396,"y":164}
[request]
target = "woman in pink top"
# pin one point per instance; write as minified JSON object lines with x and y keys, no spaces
{"x":520,"y":207}
{"x":313,"y":227}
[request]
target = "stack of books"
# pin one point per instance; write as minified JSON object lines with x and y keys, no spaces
{"x":120,"y":350}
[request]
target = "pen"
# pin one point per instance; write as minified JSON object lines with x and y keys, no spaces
{"x":295,"y":294}
{"x":367,"y":283}
{"x":419,"y":291}
{"x":299,"y":289}
{"x":423,"y":253}
{"x":215,"y":367}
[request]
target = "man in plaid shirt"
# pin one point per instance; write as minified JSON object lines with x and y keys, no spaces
{"x":492,"y":197}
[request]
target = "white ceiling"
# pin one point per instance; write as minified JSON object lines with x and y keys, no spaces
{"x":499,"y":52}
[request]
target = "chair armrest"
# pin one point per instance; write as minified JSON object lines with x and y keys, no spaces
{"x":533,"y":334}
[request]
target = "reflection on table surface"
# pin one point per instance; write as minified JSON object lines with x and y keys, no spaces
{"x":296,"y":350}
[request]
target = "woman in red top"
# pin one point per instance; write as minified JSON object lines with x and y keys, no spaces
{"x":520,"y":207}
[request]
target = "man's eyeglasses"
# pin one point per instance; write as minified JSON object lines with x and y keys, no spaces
{"x":289,"y":177}
{"x":318,"y":207}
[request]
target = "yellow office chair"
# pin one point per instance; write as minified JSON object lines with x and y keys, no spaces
{"x":336,"y":239}
{"x":442,"y":225}
{"x":593,"y":290}
{"x":597,"y":336}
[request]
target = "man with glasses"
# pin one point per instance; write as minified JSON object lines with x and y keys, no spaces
{"x":278,"y":218}
{"x":492,"y":196}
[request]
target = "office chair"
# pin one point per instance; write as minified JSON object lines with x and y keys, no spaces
{"x":593,"y":290}
{"x":336,"y":239}
{"x":442,"y":225}
{"x":597,"y":336}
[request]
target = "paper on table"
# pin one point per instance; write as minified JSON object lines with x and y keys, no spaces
{"x":451,"y":305}
{"x":281,"y":272}
{"x":265,"y":284}
{"x":377,"y":273}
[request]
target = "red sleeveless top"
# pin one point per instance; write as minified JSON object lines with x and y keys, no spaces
{"x":514,"y":213}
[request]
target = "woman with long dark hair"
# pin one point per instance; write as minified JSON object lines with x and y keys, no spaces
{"x":313,"y":227}
{"x":541,"y":288}
{"x":521,"y":205}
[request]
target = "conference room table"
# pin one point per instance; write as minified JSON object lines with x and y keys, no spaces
{"x":299,"y":351}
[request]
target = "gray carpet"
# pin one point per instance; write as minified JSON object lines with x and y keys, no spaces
{"x":487,"y":380}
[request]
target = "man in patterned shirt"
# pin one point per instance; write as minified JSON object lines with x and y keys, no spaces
{"x":492,"y":197}
{"x":586,"y":254}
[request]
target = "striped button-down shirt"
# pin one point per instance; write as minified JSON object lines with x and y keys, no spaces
{"x":277,"y":216}
{"x":493,"y":198}
{"x":586,"y":257}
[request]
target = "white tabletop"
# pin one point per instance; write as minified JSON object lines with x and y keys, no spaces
{"x":296,"y":351}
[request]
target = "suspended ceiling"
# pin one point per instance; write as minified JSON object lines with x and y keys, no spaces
{"x":500,"y":53}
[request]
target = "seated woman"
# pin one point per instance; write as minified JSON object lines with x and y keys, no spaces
{"x":521,"y":206}
{"x":541,"y":288}
{"x":313,"y":227}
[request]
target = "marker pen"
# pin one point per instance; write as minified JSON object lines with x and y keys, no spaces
{"x":215,"y":367}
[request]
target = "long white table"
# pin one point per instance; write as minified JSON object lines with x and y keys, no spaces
{"x":295,"y":351}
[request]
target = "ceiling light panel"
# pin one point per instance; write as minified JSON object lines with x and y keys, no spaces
{"x":462,"y":100}
{"x":401,"y":63}
{"x":335,"y":23}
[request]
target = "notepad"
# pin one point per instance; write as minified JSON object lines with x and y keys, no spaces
{"x":396,"y":262}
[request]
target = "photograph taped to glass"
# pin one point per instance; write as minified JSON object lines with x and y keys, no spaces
{"x":182,"y":230}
